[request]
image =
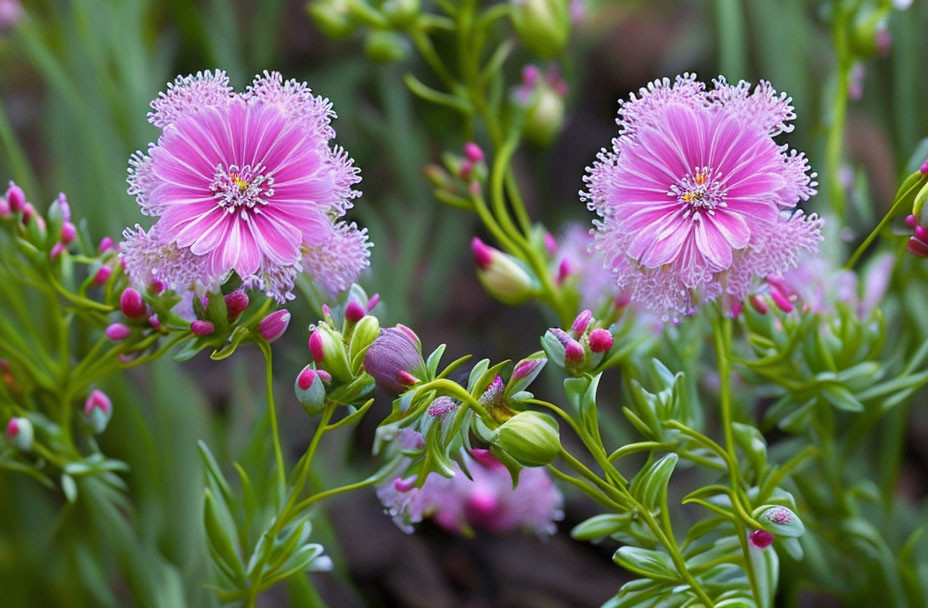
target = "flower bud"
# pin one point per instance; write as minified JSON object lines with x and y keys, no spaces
{"x":15,"y":197}
{"x":106,"y":243}
{"x":332,"y":17}
{"x":97,"y":411}
{"x":473,"y":152}
{"x":57,"y":249}
{"x":573,"y":352}
{"x":759,"y":304}
{"x":274,"y":325}
{"x":20,"y":433}
{"x":117,"y":332}
{"x":154,"y":322}
{"x":309,"y":390}
{"x":68,"y":233}
{"x":102,"y":275}
{"x":601,"y":340}
{"x":542,"y":25}
{"x":581,"y":323}
{"x":236,"y":303}
{"x":384,"y":46}
{"x":394,"y":360}
{"x":202,"y":328}
{"x":328,"y":351}
{"x":780,"y":521}
{"x":401,"y":12}
{"x":131,"y":303}
{"x":529,"y":438}
{"x":524,"y":374}
{"x":545,"y":117}
{"x":354,"y":312}
{"x":504,"y":277}
{"x":761,"y":539}
{"x":364,"y":334}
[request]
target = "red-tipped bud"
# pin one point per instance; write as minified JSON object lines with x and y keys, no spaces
{"x":202,"y":328}
{"x":473,"y":152}
{"x":373,"y":301}
{"x":28,"y":213}
{"x":921,"y":233}
{"x":582,"y":323}
{"x":759,"y":304}
{"x":106,"y":243}
{"x":274,"y":325}
{"x":15,"y":197}
{"x":573,"y":351}
{"x":306,"y":378}
{"x":309,"y":390}
{"x":57,"y":250}
{"x":761,"y":539}
{"x":154,"y":322}
{"x":324,"y":375}
{"x":68,"y":233}
{"x":394,"y":360}
{"x":316,"y":347}
{"x":917,"y":247}
{"x":102,"y":275}
{"x":156,"y":287}
{"x":405,"y":378}
{"x":236,"y":303}
{"x":20,"y":433}
{"x":404,"y":485}
{"x":354,"y":312}
{"x":483,"y":253}
{"x":550,"y":243}
{"x":924,"y":168}
{"x":563,"y":271}
{"x":97,"y":411}
{"x":131,"y":303}
{"x":911,"y":221}
{"x":117,"y":332}
{"x":601,"y":340}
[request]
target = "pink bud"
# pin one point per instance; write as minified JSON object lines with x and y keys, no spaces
{"x":324,"y":375}
{"x":117,"y":332}
{"x":401,"y":485}
{"x":525,"y":367}
{"x":910,"y":220}
{"x":601,"y":340}
{"x":154,"y":322}
{"x":131,"y":303}
{"x":57,"y":250}
{"x":98,"y":400}
{"x":202,"y":328}
{"x":530,"y":74}
{"x":582,"y":322}
{"x":316,"y":347}
{"x":473,"y":152}
{"x":483,"y":253}
{"x":924,"y":168}
{"x":373,"y":301}
{"x":481,"y":506}
{"x":354,"y":312}
{"x":761,"y":539}
{"x":102,"y":275}
{"x":156,"y":286}
{"x":781,"y":300}
{"x":12,"y":428}
{"x":5,"y":211}
{"x":758,"y":304}
{"x":573,"y":351}
{"x":16,"y":197}
{"x":563,"y":270}
{"x":28,"y":212}
{"x":306,"y":378}
{"x":106,"y":243}
{"x":921,"y":233}
{"x":485,"y":458}
{"x":404,"y":377}
{"x":68,"y":233}
{"x":274,"y":325}
{"x":917,"y":247}
{"x":550,"y":243}
{"x":467,"y":168}
{"x":236,"y":303}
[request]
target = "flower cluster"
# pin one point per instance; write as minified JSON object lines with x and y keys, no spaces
{"x":244,"y":182}
{"x":696,"y":197}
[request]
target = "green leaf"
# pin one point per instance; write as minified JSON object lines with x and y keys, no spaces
{"x":842,"y":398}
{"x":601,"y":526}
{"x":69,"y":487}
{"x":217,"y":534}
{"x":434,"y":359}
{"x":646,"y":562}
{"x":239,"y":334}
{"x":650,"y":484}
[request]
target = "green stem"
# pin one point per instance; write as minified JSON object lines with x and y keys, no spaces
{"x":835,"y":142}
{"x":901,"y":199}
{"x":272,"y":413}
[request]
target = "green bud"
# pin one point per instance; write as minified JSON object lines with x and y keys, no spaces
{"x":332,"y":17}
{"x":543,"y":26}
{"x":310,"y":391}
{"x":779,"y":521}
{"x":365,"y":332}
{"x":504,"y":277}
{"x":401,"y":12}
{"x":529,"y":438}
{"x":328,"y":351}
{"x":545,"y":117}
{"x":384,"y":46}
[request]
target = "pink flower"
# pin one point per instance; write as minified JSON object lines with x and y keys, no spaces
{"x":248,"y":182}
{"x":696,"y":197}
{"x":486,"y":500}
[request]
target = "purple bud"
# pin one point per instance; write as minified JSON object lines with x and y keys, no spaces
{"x":117,"y":332}
{"x":274,"y":325}
{"x":236,"y":303}
{"x":354,"y":312}
{"x":16,"y":197}
{"x":106,"y":243}
{"x":394,"y":360}
{"x":57,"y":250}
{"x":324,"y":375}
{"x":921,"y":233}
{"x":131,"y":303}
{"x":68,"y":233}
{"x":202,"y":328}
{"x":102,"y":275}
{"x":441,"y":406}
{"x":373,"y":301}
{"x":473,"y":152}
{"x":563,"y":271}
{"x":911,"y":221}
{"x":573,"y":352}
{"x":581,"y":323}
{"x":761,"y":539}
{"x":601,"y":340}
{"x":526,"y":367}
{"x":483,"y":253}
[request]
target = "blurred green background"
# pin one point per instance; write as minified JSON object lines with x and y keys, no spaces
{"x":75,"y":81}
